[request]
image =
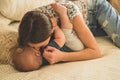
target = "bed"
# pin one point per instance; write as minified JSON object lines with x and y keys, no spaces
{"x":104,"y":68}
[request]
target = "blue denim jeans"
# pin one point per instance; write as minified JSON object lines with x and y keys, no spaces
{"x":103,"y":16}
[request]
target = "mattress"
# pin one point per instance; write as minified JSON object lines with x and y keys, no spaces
{"x":104,"y":68}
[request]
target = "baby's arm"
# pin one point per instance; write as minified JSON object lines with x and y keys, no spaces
{"x":58,"y":33}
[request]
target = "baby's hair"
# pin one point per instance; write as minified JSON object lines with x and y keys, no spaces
{"x":23,"y":61}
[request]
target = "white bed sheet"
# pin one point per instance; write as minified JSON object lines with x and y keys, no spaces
{"x":105,"y":68}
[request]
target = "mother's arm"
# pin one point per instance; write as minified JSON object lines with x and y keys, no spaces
{"x":91,"y":50}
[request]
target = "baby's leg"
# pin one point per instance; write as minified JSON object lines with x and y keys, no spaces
{"x":72,"y":40}
{"x":109,"y":19}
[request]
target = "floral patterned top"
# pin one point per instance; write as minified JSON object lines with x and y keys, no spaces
{"x":74,"y":8}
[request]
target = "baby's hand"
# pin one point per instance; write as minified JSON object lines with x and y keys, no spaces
{"x":60,"y":9}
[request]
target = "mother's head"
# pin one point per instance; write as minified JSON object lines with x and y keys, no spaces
{"x":35,"y":27}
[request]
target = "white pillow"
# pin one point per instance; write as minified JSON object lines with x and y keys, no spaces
{"x":4,"y":20}
{"x":15,"y":9}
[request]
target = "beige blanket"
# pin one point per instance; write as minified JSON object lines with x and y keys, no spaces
{"x":105,"y":68}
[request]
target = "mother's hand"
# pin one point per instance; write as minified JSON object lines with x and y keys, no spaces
{"x":52,"y":55}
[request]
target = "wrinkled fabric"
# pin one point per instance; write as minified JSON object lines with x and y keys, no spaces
{"x":109,"y":20}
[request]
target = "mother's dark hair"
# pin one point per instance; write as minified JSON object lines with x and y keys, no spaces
{"x":35,"y":27}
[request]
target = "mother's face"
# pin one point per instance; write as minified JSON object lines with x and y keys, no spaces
{"x":37,"y":46}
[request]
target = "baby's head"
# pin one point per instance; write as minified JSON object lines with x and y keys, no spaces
{"x":27,"y":59}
